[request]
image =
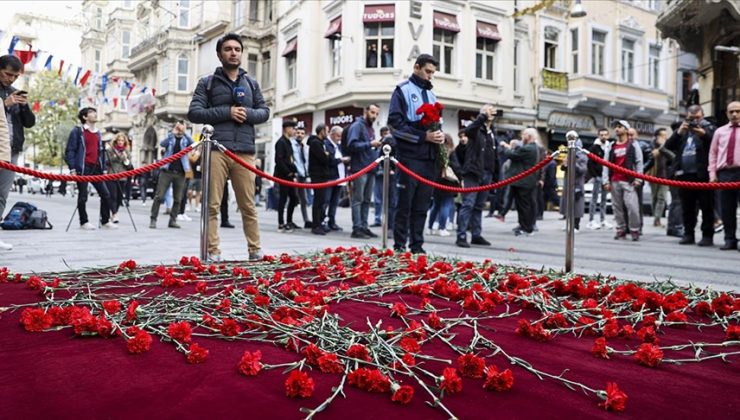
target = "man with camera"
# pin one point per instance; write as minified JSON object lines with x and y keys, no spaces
{"x":691,"y":144}
{"x":231,"y":101}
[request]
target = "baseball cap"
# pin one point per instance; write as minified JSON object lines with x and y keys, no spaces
{"x":623,"y":123}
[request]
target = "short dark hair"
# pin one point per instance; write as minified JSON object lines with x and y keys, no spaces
{"x":693,"y":109}
{"x":384,"y":129}
{"x":423,"y":59}
{"x":83,"y":113}
{"x":319,"y":128}
{"x":228,"y":37}
{"x":12,"y":61}
{"x":658,"y":131}
{"x":461,"y":133}
{"x":367,"y":108}
{"x":603,"y":129}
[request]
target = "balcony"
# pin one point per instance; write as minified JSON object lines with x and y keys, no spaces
{"x":686,"y":20}
{"x":555,"y":80}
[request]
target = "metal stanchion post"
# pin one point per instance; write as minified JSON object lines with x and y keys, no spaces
{"x":386,"y":191}
{"x":205,"y":163}
{"x":570,"y":195}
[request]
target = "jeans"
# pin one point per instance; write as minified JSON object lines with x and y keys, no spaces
{"x":658,"y":195}
{"x":303,"y":198}
{"x":441,"y":210}
{"x":624,"y":195}
{"x":166,"y":180}
{"x":362,"y":194}
{"x":288,"y":196}
{"x":728,"y":202}
{"x":102,"y":190}
{"x":378,"y":197}
{"x":675,"y":213}
{"x":6,"y":182}
{"x":413,"y":204}
{"x":333,"y":197}
{"x":598,"y":194}
{"x":471,"y":211}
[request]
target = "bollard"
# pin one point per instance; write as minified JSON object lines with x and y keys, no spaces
{"x":205,"y":163}
{"x":570,"y":195}
{"x":386,"y":190}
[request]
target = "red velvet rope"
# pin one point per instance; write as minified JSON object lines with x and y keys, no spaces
{"x":479,"y":188}
{"x":95,"y":178}
{"x":294,"y":184}
{"x":669,"y":182}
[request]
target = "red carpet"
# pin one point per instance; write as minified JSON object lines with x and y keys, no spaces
{"x":328,"y":300}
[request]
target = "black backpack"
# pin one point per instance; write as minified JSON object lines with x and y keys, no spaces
{"x":344,"y":143}
{"x":25,"y":216}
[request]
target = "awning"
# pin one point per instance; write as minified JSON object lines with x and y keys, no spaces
{"x":379,"y":13}
{"x":335,"y":28}
{"x":446,"y":22}
{"x":487,"y":31}
{"x":303,"y":120}
{"x":342,"y":117}
{"x":291,"y":47}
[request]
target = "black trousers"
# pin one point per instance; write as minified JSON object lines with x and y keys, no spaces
{"x":414,"y":199}
{"x":102,"y":190}
{"x":288,"y":196}
{"x":525,"y":206}
{"x":691,"y":202}
{"x":320,"y":200}
{"x":675,"y":212}
{"x":728,"y":202}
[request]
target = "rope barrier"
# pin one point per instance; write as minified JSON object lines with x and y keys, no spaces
{"x":479,"y":188}
{"x":294,"y":184}
{"x":96,"y":178}
{"x":663,"y":181}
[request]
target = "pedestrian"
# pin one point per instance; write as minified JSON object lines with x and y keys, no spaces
{"x":285,"y":168}
{"x":6,"y":176}
{"x":231,"y":88}
{"x":724,"y":166}
{"x":361,"y":142}
{"x":417,"y":149}
{"x":300,"y":158}
{"x":378,"y":185}
{"x":444,"y":201}
{"x":660,"y":161}
{"x":320,"y":164}
{"x":691,"y":143}
{"x":581,"y":168}
{"x":18,"y":113}
{"x":598,"y":194}
{"x":118,"y":156}
{"x":479,"y":167}
{"x":625,"y":153}
{"x":172,"y":174}
{"x":85,"y":155}
{"x":337,"y":171}
{"x":196,"y":185}
{"x":522,"y":191}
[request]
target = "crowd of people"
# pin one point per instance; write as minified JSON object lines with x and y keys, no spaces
{"x":231,"y":101}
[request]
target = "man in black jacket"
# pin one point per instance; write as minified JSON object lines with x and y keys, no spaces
{"x":231,"y":101}
{"x":522,"y":158}
{"x":320,"y":169}
{"x":691,"y":144}
{"x":598,"y":194}
{"x":286,"y":169}
{"x":479,"y":167}
{"x":17,"y":111}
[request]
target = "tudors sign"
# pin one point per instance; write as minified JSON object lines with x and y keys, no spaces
{"x":379,"y":13}
{"x":342,"y":117}
{"x":571,"y":121}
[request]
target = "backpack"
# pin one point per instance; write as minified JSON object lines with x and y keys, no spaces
{"x":209,"y":85}
{"x":344,"y":143}
{"x":25,"y":216}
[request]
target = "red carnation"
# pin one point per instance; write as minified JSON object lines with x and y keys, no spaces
{"x":649,"y":355}
{"x":230,"y":328}
{"x":678,"y":317}
{"x":249,"y":364}
{"x":410,"y":345}
{"x":451,"y":383}
{"x":703,"y":309}
{"x":498,"y":381}
{"x":329,"y":363}
{"x":471,"y":366}
{"x":647,"y":335}
{"x":377,"y":382}
{"x":733,"y":332}
{"x":358,"y":351}
{"x":112,"y":306}
{"x":399,"y":310}
{"x":139,"y":340}
{"x":434,"y":321}
{"x":312,"y":353}
{"x":180,"y":331}
{"x":201,"y":287}
{"x":616,"y":400}
{"x":261,"y":300}
{"x":403,"y":394}
{"x":599,"y":349}
{"x":131,"y":310}
{"x":35,"y":283}
{"x":105,"y":328}
{"x":35,"y":320}
{"x":197,"y":354}
{"x":298,"y":385}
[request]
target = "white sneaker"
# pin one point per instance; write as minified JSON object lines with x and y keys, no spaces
{"x":110,"y":226}
{"x":187,"y":218}
{"x":430,"y":232}
{"x":87,"y":226}
{"x":594,"y":225}
{"x":5,"y":246}
{"x":114,"y":218}
{"x":607,"y":225}
{"x":444,"y":232}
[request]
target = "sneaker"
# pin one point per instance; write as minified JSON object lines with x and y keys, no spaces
{"x":418,"y":251}
{"x":607,"y":225}
{"x":186,"y":217}
{"x":293,"y":226}
{"x":227,"y":225}
{"x":635,"y":236}
{"x":335,"y":228}
{"x":376,"y":224}
{"x":114,"y":218}
{"x":180,"y":217}
{"x":358,"y":234}
{"x":462,"y":243}
{"x":718,"y":226}
{"x":620,"y":234}
{"x":318,"y":231}
{"x":500,"y":218}
{"x":214,"y":258}
{"x":173,"y":224}
{"x":87,"y":226}
{"x":369,"y":233}
{"x":431,"y":232}
{"x":5,"y":246}
{"x":594,"y":225}
{"x":153,"y":224}
{"x":687,"y":240}
{"x":479,"y":240}
{"x":308,"y":225}
{"x":110,"y":226}
{"x":256,"y":255}
{"x":444,"y":232}
{"x":285,"y":228}
{"x":706,"y":241}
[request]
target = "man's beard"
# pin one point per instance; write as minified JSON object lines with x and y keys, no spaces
{"x":229,"y":66}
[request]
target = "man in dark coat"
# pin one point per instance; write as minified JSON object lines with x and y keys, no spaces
{"x":523,"y":158}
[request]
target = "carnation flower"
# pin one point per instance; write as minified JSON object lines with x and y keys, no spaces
{"x":197,"y":354}
{"x":329,"y":363}
{"x":180,"y":331}
{"x":471,"y":366}
{"x":111,"y":306}
{"x":403,"y":394}
{"x":358,"y":351}
{"x":451,"y":383}
{"x":299,"y":385}
{"x":600,"y":349}
{"x":615,"y":399}
{"x":649,"y":355}
{"x":35,"y":320}
{"x":733,"y":332}
{"x":410,"y":345}
{"x":498,"y":381}
{"x":139,"y":340}
{"x":230,"y":328}
{"x":249,"y":364}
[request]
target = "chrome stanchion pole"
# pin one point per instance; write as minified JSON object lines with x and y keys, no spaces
{"x":386,"y":191}
{"x":205,"y":163}
{"x":570,"y":195}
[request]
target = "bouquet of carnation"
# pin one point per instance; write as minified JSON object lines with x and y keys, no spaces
{"x":431,"y":119}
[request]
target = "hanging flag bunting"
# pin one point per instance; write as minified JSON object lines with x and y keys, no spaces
{"x":154,"y":92}
{"x":47,"y":66}
{"x":115,"y":103}
{"x":13,"y":41}
{"x":25,"y":56}
{"x":144,"y":89}
{"x":68,"y":72}
{"x":77,"y":76}
{"x":104,"y":84}
{"x":36,"y":106}
{"x":35,"y":61}
{"x":91,"y":89}
{"x":85,"y":76}
{"x":52,"y":103}
{"x":61,"y":67}
{"x":130,"y":87}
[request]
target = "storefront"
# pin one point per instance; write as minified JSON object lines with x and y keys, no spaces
{"x":559,"y":123}
{"x":342,"y":117}
{"x":304,"y":121}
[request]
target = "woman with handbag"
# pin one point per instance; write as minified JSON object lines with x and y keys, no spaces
{"x":444,"y":201}
{"x":118,"y":156}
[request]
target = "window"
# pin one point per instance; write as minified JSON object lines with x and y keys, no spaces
{"x":125,"y":44}
{"x":238,"y":13}
{"x":291,"y":60}
{"x":443,"y":43}
{"x":654,"y":67}
{"x":598,"y":52}
{"x":484,"y":58}
{"x":267,"y":10}
{"x":574,"y":50}
{"x":628,"y":60}
{"x":551,"y":47}
{"x":98,"y":59}
{"x":183,"y":13}
{"x":98,"y":18}
{"x":164,"y":86}
{"x":266,"y":70}
{"x":686,"y":82}
{"x":252,"y":65}
{"x":516,"y":65}
{"x":335,"y":46}
{"x":182,"y":73}
{"x":379,"y":34}
{"x":253,"y":9}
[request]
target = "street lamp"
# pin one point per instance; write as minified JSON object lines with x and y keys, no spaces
{"x":578,"y":10}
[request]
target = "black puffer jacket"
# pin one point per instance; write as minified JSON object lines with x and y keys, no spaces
{"x":473,"y":163}
{"x":321,"y":164}
{"x":676,"y":143}
{"x":213,"y":106}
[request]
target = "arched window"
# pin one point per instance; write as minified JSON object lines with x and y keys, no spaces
{"x":182,"y":73}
